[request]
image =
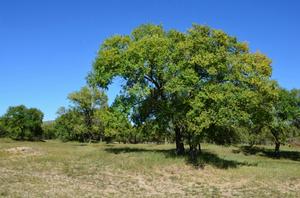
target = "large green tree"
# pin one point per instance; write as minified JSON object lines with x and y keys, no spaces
{"x":23,"y":123}
{"x":192,"y":83}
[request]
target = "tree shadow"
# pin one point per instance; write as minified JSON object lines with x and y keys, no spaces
{"x":29,"y":140}
{"x":247,"y":150}
{"x":202,"y":159}
{"x":81,"y":144}
{"x":214,"y":160}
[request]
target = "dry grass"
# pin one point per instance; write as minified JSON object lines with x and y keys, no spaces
{"x":54,"y":169}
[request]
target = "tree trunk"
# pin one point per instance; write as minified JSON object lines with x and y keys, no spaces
{"x":199,"y":148}
{"x":277,"y":147}
{"x":193,"y":152}
{"x":22,"y":136}
{"x":251,"y":144}
{"x":179,"y":141}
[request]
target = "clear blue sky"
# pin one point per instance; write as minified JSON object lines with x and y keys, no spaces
{"x":47,"y":47}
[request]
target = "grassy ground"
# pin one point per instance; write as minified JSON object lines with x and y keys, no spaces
{"x":55,"y":169}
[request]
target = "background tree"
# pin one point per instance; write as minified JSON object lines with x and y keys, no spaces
{"x":69,"y":125}
{"x":296,"y":95}
{"x":49,"y":131}
{"x":2,"y":130}
{"x":285,"y":114}
{"x":23,"y":123}
{"x":82,"y":121}
{"x":86,"y":102}
{"x":194,"y":83}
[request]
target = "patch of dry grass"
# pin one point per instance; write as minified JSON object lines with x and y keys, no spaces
{"x":115,"y":170}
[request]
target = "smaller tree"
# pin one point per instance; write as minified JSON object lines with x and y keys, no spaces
{"x":285,"y":114}
{"x":49,"y":131}
{"x":69,"y":125}
{"x":86,"y":102}
{"x":22,"y":123}
{"x":81,"y":122}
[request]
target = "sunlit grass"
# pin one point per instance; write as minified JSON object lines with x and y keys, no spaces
{"x":73,"y":169}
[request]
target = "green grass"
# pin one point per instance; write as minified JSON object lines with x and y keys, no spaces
{"x":55,"y":169}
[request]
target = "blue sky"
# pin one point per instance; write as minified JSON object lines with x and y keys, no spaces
{"x":47,"y":47}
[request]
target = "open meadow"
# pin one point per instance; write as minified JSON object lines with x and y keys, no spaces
{"x":56,"y":169}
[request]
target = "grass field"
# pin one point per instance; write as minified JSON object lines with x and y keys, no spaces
{"x":55,"y":169}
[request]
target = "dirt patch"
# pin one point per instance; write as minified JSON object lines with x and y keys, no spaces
{"x":23,"y":150}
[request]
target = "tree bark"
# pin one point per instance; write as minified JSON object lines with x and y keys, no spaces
{"x":199,"y":148}
{"x":277,"y":147}
{"x":193,"y":152}
{"x":277,"y":143}
{"x":179,"y":141}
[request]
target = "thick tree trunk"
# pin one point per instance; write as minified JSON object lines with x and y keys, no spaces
{"x":277,"y":147}
{"x":277,"y":143}
{"x":179,"y":141}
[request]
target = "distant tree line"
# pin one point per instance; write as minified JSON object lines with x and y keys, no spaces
{"x":181,"y":87}
{"x":90,"y":119}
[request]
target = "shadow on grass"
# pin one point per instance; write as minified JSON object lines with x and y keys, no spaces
{"x":81,"y":144}
{"x":247,"y":150}
{"x":204,"y":158}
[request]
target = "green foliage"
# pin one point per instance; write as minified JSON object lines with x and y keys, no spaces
{"x":86,"y":102}
{"x":201,"y":83}
{"x":90,"y":119}
{"x":295,"y":94}
{"x":68,"y":125}
{"x":49,"y":131}
{"x":116,"y":124}
{"x":2,"y":130}
{"x":285,"y":115}
{"x":87,"y":99}
{"x":23,"y":123}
